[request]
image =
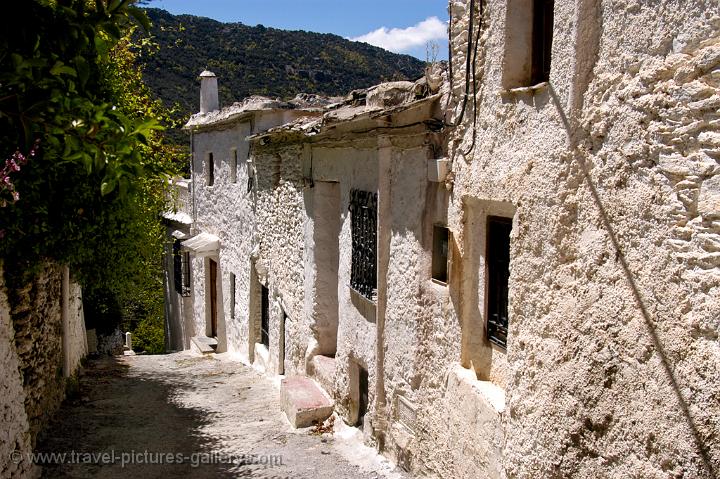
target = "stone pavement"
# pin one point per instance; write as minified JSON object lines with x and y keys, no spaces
{"x":179,"y":415}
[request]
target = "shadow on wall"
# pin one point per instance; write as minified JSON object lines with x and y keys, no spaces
{"x":114,"y":412}
{"x":700,"y":444}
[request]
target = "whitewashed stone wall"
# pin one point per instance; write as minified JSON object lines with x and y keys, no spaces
{"x":352,"y":166}
{"x":225,"y":210}
{"x":37,"y":320}
{"x":611,"y":175}
{"x":32,"y":360}
{"x":14,"y":435}
{"x":229,"y":211}
{"x":280,"y":252}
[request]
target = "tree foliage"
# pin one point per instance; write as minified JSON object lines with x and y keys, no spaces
{"x":91,"y":192}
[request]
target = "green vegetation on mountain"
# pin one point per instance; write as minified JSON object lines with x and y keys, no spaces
{"x":260,"y":61}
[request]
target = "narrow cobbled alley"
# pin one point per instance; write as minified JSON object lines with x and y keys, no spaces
{"x":180,"y":415}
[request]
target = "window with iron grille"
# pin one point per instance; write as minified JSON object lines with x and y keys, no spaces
{"x":265,"y":317}
{"x":498,"y":274}
{"x":181,"y":260}
{"x":363,"y":221}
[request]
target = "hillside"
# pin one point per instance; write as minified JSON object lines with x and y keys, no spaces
{"x":259,"y":60}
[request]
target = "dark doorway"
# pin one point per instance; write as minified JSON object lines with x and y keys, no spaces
{"x":213,"y":299}
{"x":265,"y":318}
{"x":283,"y":343}
{"x":362,"y":393}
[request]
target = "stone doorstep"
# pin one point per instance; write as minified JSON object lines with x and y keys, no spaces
{"x":303,"y":402}
{"x":203,"y":344}
{"x":324,"y":371}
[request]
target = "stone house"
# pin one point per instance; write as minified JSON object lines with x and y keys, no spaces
{"x":593,"y":129}
{"x":212,"y":253}
{"x":345,"y":210}
{"x":507,"y":270}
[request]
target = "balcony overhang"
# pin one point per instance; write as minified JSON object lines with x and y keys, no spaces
{"x":202,"y":245}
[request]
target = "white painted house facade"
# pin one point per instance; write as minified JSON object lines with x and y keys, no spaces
{"x":506,"y":269}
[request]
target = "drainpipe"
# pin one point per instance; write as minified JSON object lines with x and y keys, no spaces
{"x":66,"y":321}
{"x":383,"y":259}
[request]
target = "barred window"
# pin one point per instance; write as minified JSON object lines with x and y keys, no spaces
{"x":182,"y":269}
{"x":363,"y":221}
{"x":498,"y":272}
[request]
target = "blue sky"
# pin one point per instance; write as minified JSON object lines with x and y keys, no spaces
{"x":404,"y":26}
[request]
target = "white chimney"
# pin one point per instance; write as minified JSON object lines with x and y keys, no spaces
{"x":208,"y":92}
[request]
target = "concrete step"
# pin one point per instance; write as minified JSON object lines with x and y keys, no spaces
{"x":303,"y":402}
{"x":203,"y":344}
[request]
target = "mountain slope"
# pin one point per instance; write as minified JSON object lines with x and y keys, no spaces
{"x":261,"y":61}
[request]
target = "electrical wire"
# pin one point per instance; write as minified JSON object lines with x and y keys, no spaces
{"x":474,"y":64}
{"x":467,"y":64}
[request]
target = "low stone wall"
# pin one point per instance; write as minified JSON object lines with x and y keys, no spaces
{"x":32,"y":360}
{"x":14,"y":434}
{"x":36,"y":312}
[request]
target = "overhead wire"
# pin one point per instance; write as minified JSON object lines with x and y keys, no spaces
{"x":468,"y":61}
{"x":474,"y":81}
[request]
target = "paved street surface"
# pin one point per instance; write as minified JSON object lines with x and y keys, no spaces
{"x":180,"y":415}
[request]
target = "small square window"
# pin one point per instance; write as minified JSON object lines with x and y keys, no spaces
{"x":233,"y":165}
{"x":441,"y":236}
{"x":210,"y":169}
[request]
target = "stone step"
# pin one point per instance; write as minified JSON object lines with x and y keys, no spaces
{"x":324,"y":372}
{"x":204,"y":344}
{"x":303,"y":402}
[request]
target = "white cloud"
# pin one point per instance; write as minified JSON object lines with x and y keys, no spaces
{"x":403,"y":39}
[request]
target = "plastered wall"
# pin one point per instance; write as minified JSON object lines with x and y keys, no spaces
{"x":612,"y":171}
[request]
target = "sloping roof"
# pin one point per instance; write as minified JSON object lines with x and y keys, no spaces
{"x":178,"y":217}
{"x":309,"y":104}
